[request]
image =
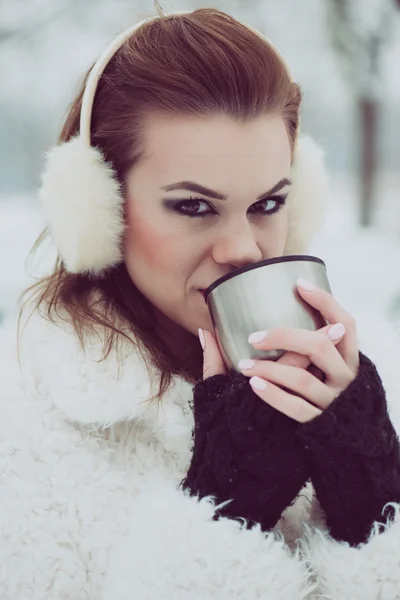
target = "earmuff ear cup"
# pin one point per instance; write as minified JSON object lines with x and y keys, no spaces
{"x":309,"y":197}
{"x":83,"y":204}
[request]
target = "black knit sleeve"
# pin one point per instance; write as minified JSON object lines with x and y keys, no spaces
{"x":244,"y":452}
{"x":355,"y":457}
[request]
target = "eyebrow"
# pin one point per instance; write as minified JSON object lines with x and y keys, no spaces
{"x":191,"y":186}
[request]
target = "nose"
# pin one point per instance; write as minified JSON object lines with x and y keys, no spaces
{"x":236,"y":245}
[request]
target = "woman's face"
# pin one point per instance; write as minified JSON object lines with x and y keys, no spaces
{"x":206,"y":199}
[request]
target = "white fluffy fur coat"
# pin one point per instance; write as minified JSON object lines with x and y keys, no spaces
{"x":90,"y":505}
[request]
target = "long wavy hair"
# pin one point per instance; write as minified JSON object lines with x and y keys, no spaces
{"x":204,"y":62}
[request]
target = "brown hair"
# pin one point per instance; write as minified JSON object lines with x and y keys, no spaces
{"x":204,"y":62}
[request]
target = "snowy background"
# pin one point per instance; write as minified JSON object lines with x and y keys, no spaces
{"x":46,"y":45}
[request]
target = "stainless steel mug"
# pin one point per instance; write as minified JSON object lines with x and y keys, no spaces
{"x":262,"y":296}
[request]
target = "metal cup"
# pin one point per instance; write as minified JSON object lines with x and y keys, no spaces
{"x":263,"y":296}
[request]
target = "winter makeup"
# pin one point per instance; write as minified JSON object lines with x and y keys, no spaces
{"x":208,"y":197}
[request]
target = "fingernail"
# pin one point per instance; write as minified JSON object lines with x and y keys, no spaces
{"x":246,"y":363}
{"x":201,"y":338}
{"x":258,"y":383}
{"x":257,"y":336}
{"x":336,"y":332}
{"x":305,"y":285}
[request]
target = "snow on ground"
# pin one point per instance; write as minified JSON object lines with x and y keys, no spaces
{"x":20,"y":225}
{"x":363,"y":265}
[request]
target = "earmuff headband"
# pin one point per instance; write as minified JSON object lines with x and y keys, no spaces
{"x":102,"y":62}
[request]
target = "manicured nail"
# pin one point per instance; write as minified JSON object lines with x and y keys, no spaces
{"x":305,"y":285}
{"x":258,"y":383}
{"x":246,"y":363}
{"x":336,"y":332}
{"x":257,"y":336}
{"x":201,"y":338}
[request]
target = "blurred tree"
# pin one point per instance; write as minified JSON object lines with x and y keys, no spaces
{"x":358,"y":31}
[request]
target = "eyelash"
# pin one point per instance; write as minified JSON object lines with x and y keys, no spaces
{"x":280,"y":202}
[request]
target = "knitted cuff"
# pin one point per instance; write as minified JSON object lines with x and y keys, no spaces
{"x":355,"y":457}
{"x":244,"y":452}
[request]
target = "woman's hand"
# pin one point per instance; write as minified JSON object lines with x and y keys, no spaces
{"x":213,"y":363}
{"x":333,"y":349}
{"x":245,"y":453}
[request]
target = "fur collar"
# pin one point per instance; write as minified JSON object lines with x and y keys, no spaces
{"x":84,"y":388}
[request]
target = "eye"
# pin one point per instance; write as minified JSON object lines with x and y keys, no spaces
{"x":271,"y":205}
{"x":193,"y":204}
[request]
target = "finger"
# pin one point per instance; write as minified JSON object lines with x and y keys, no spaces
{"x":315,"y":344}
{"x":294,"y":359}
{"x":333,"y":312}
{"x":293,"y":379}
{"x":213,"y":363}
{"x":294,"y":407}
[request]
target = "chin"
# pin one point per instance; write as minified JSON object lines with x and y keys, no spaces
{"x":195,"y":315}
{"x":204,"y":322}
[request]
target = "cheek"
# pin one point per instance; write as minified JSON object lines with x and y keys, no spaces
{"x":283,"y":229}
{"x":150,"y":246}
{"x":277,"y":235}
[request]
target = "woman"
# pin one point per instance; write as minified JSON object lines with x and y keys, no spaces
{"x":179,"y":162}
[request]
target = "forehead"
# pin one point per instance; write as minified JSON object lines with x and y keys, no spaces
{"x":175,"y":145}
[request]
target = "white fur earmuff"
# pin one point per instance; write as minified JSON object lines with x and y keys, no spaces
{"x":83,"y":203}
{"x":84,"y":207}
{"x":309,"y":196}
